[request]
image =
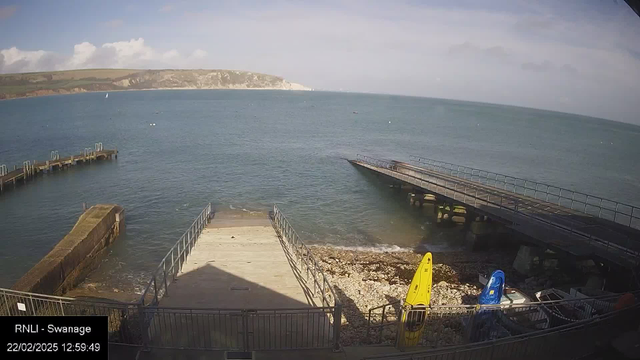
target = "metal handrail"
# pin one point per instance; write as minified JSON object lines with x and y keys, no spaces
{"x":305,"y":257}
{"x":461,"y":349}
{"x":478,"y":307}
{"x":588,"y":204}
{"x":166,"y":272}
{"x":482,"y":196}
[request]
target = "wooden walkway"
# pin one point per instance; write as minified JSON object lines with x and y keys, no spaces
{"x":556,"y":226}
{"x":29,"y":170}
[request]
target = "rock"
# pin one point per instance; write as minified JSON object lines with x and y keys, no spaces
{"x":367,"y":279}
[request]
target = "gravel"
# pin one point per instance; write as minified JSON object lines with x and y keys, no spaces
{"x":367,"y":279}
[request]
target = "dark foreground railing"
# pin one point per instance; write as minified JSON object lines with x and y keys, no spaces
{"x":447,"y":325}
{"x":125,"y":322}
{"x":241,"y":329}
{"x":570,"y":341}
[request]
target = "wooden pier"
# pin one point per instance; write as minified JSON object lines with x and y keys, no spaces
{"x":30,"y":169}
{"x":607,"y":233}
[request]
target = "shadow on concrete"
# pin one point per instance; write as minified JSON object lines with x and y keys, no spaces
{"x":296,"y":268}
{"x":260,"y":318}
{"x":211,"y":287}
{"x":302,"y":280}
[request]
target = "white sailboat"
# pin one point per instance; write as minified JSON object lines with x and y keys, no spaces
{"x":107,"y":96}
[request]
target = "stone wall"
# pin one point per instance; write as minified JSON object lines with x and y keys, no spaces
{"x":76,"y":254}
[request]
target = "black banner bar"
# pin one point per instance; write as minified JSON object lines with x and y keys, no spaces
{"x":42,"y":337}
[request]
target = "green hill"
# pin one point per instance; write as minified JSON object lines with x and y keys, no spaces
{"x":75,"y":81}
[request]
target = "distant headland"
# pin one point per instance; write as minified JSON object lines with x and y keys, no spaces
{"x":77,"y":81}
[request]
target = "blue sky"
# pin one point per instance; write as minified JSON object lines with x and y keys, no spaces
{"x":574,"y":56}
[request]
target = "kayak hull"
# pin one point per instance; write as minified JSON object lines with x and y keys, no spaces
{"x":417,"y":302}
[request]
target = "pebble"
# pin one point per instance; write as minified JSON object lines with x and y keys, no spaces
{"x":364,"y":280}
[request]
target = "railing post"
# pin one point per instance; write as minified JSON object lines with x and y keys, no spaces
{"x":143,"y":328}
{"x":600,"y":207}
{"x":337,"y":323}
{"x":155,"y":289}
{"x":179,"y":263}
{"x":173,"y":272}
{"x":400,"y":345}
{"x":166,"y":287}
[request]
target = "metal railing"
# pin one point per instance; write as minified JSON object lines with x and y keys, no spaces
{"x":476,"y":196}
{"x":172,"y":263}
{"x":124,"y":319}
{"x":303,"y":256}
{"x":618,"y":212}
{"x":315,"y":280}
{"x":573,"y":340}
{"x":240,"y":329}
{"x":146,"y":324}
{"x":443,"y":322}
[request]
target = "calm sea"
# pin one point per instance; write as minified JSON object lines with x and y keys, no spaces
{"x":246,"y":150}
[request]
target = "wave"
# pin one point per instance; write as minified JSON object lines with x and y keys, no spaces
{"x":369,"y":248}
{"x":384,"y":248}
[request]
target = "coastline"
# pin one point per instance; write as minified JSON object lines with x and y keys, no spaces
{"x":124,"y":90}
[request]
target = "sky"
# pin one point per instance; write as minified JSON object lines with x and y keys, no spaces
{"x":576,"y":56}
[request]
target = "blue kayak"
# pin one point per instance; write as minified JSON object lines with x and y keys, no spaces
{"x":492,"y":292}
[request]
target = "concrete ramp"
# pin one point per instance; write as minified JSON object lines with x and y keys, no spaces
{"x":239,"y":289}
{"x":238,"y":264}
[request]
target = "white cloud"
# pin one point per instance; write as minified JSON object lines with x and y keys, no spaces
{"x":134,"y":53}
{"x":167,"y":8}
{"x":502,"y":54}
{"x":16,"y":60}
{"x":511,"y":52}
{"x":199,"y":54}
{"x":82,"y":53}
{"x":171,"y":54}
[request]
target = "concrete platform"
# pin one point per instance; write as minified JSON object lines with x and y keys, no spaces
{"x":237,"y":264}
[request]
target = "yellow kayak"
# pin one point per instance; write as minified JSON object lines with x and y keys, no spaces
{"x":419,"y":295}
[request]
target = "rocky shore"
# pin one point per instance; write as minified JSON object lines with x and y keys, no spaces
{"x":367,"y":279}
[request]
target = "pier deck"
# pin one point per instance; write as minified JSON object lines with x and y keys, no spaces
{"x":557,"y":226}
{"x":30,"y":170}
